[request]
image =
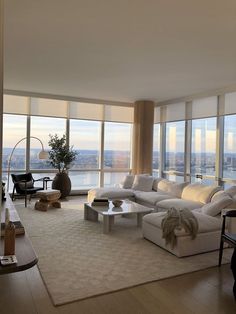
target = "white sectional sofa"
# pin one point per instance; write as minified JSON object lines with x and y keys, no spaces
{"x":206,"y":203}
{"x":163,"y":194}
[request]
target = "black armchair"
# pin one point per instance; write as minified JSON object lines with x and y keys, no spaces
{"x":230,"y":238}
{"x":24,"y":185}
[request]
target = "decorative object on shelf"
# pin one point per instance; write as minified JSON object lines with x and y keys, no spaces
{"x":9,"y":237}
{"x":42,"y":155}
{"x":61,"y":156}
{"x":117,"y":203}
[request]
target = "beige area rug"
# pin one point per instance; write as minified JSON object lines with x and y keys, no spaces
{"x":77,"y":260}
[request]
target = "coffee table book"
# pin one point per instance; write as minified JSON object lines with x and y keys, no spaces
{"x":100,"y":202}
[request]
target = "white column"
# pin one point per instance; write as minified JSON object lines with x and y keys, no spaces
{"x":143,"y":137}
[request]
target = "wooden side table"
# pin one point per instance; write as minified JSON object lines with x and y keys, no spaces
{"x":48,"y":198}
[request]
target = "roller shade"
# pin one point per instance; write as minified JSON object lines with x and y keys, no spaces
{"x":204,"y":107}
{"x":48,"y":107}
{"x":230,"y":103}
{"x":67,"y":109}
{"x":16,"y":104}
{"x":157,"y":114}
{"x":174,"y":112}
{"x":119,"y":114}
{"x":86,"y":111}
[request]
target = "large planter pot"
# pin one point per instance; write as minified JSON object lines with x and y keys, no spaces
{"x":62,"y":182}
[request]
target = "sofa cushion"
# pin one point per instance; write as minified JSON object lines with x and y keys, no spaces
{"x":218,"y":195}
{"x":164,"y":185}
{"x":155,"y":183}
{"x":151,"y":197}
{"x":205,"y":223}
{"x":111,"y":193}
{"x":143,"y":183}
{"x":177,"y":203}
{"x":199,"y":192}
{"x":231,"y":191}
{"x":176,"y":189}
{"x":214,"y":207}
{"x":127,"y":182}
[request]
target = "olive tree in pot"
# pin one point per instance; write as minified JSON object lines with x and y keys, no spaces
{"x":60,"y":157}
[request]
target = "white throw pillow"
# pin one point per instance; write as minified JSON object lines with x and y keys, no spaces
{"x":231,"y":191}
{"x":214,"y":208}
{"x":127,"y":182}
{"x":218,"y":195}
{"x":143,"y":183}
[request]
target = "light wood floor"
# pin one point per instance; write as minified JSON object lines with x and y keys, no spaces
{"x":206,"y":292}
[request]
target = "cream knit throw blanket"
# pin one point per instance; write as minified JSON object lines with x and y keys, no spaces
{"x":178,"y":219}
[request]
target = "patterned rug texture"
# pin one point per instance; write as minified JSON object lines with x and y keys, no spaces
{"x":77,"y":261}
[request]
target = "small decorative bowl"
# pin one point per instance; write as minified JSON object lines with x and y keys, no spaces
{"x":117,"y":203}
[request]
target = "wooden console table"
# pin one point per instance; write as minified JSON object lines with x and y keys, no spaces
{"x":26,"y":257}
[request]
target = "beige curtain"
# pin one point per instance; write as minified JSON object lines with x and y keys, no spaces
{"x":143,"y":137}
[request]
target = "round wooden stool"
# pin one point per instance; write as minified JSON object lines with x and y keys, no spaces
{"x":48,"y":198}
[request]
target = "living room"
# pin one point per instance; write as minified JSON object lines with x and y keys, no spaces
{"x":136,"y":88}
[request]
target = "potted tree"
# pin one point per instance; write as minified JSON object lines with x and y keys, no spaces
{"x":60,"y":157}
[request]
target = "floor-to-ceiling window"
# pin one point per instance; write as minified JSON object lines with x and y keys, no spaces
{"x":156,"y":150}
{"x":175,"y":150}
{"x":104,"y":148}
{"x":41,"y":127}
{"x":203,"y":149}
{"x":117,"y":151}
{"x":229,"y":160}
{"x":85,"y":136}
{"x":14,"y":130}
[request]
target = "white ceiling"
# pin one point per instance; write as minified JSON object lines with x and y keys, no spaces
{"x":121,"y":50}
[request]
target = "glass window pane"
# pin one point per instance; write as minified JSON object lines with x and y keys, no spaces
{"x":117,"y":145}
{"x":85,"y":138}
{"x":206,"y":181}
{"x":156,"y":147}
{"x":175,"y":135}
{"x":14,"y":130}
{"x":173,"y":177}
{"x":84,"y":179}
{"x":203,"y":155}
{"x":113,"y":178}
{"x":229,"y":168}
{"x":41,"y":127}
{"x":40,"y":175}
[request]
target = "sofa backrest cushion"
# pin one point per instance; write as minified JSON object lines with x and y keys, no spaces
{"x":199,"y":192}
{"x":231,"y":191}
{"x":164,"y":185}
{"x":176,"y":189}
{"x":155,"y":183}
{"x":127,"y":182}
{"x":143,"y":183}
{"x":214,"y":207}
